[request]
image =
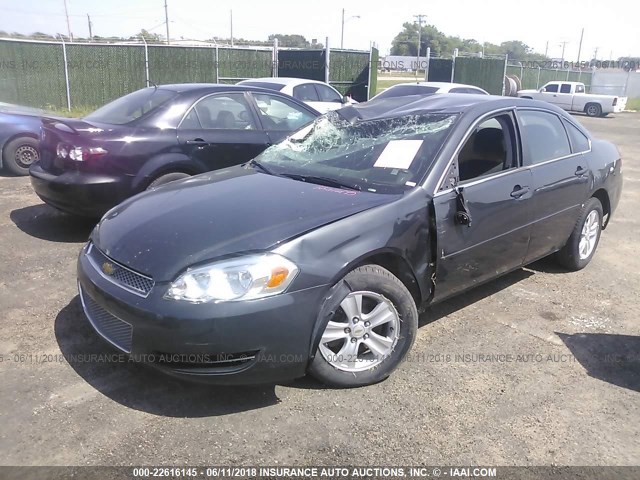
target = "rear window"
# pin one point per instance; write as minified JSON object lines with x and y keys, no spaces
{"x":269,"y":85}
{"x":579,"y":142}
{"x":403,"y":90}
{"x":131,"y":107}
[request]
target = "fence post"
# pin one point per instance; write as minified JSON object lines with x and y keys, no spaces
{"x":538,"y":79}
{"x":453,"y":63}
{"x":274,"y":60}
{"x":66,"y":72}
{"x":567,"y":74}
{"x":426,"y":70}
{"x":217,"y":64}
{"x":146,"y":61}
{"x":504,"y":73}
{"x":327,"y":51}
{"x":370,"y":67}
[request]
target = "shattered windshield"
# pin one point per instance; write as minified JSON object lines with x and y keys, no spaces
{"x":381,"y":156}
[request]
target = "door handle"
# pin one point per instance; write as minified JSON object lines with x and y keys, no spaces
{"x":518,"y":191}
{"x":580,"y":171}
{"x":196,"y":141}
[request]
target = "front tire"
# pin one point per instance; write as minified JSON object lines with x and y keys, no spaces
{"x":370,"y":333}
{"x":582,"y":244}
{"x":19,"y":154}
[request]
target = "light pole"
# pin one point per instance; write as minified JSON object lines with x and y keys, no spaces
{"x":342,"y":31}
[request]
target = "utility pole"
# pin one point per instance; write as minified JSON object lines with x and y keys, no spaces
{"x":90,"y":24}
{"x":342,"y":32}
{"x":166,"y":20}
{"x":546,"y":50}
{"x":580,"y":46}
{"x":419,"y":17}
{"x":231,"y":19}
{"x":595,"y":54}
{"x":66,"y":13}
{"x":564,"y":44}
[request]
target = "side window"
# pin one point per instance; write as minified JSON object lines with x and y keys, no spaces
{"x":551,"y":88}
{"x":278,"y":113}
{"x":579,"y":142}
{"x":305,"y":93}
{"x":544,"y":136}
{"x":490,"y":149}
{"x":328,"y":94}
{"x":458,"y":90}
{"x":579,"y":88}
{"x":565,"y":88}
{"x":229,"y":111}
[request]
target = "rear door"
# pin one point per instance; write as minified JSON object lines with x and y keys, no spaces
{"x":564,"y":98}
{"x":561,"y":178}
{"x":280,"y":116}
{"x":483,"y":208}
{"x":222,"y":130}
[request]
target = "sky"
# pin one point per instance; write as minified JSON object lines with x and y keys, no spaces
{"x":610,"y":26}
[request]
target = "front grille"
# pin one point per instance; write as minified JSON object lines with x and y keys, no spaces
{"x":120,"y":275}
{"x":115,"y":331}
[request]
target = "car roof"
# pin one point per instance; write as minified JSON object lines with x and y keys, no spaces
{"x":450,"y":103}
{"x":282,"y":80}
{"x":440,"y":85}
{"x":193,"y":87}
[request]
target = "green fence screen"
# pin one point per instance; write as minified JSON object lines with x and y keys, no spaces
{"x":32,"y":74}
{"x":486,"y":73}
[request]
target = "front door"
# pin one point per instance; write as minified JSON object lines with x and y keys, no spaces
{"x":483,"y":209}
{"x":221,"y":130}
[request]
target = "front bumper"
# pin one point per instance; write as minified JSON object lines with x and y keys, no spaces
{"x":258,"y":341}
{"x":80,"y":193}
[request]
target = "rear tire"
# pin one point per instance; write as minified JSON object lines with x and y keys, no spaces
{"x":167,"y":178}
{"x":593,"y":110}
{"x":19,"y":154}
{"x":583,"y":241}
{"x":370,"y":333}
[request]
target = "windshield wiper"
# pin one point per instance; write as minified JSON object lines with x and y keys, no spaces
{"x":255,"y":163}
{"x":329,"y":182}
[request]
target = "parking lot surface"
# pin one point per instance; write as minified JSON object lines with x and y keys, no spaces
{"x":539,"y":367}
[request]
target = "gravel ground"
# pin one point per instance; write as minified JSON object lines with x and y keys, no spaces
{"x":538,"y":367}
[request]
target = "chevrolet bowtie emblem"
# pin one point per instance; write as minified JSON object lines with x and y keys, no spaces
{"x":108,"y":268}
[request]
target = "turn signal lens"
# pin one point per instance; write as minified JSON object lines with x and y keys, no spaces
{"x":278,"y":276}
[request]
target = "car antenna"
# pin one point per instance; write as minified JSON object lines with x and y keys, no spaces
{"x":155,"y":85}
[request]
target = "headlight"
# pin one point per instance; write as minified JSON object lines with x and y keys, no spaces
{"x":244,"y":278}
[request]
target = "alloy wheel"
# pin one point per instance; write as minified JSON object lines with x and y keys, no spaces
{"x":362,"y":333}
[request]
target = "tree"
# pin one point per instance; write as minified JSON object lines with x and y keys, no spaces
{"x":291,"y":41}
{"x":148,"y":37}
{"x":406,"y":43}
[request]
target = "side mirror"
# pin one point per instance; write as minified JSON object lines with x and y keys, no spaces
{"x":543,"y":89}
{"x":345,"y":100}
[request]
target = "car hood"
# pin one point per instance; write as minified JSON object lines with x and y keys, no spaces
{"x":162,"y":232}
{"x":527,"y":91}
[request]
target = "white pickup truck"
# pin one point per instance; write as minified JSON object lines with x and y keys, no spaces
{"x":572,"y":96}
